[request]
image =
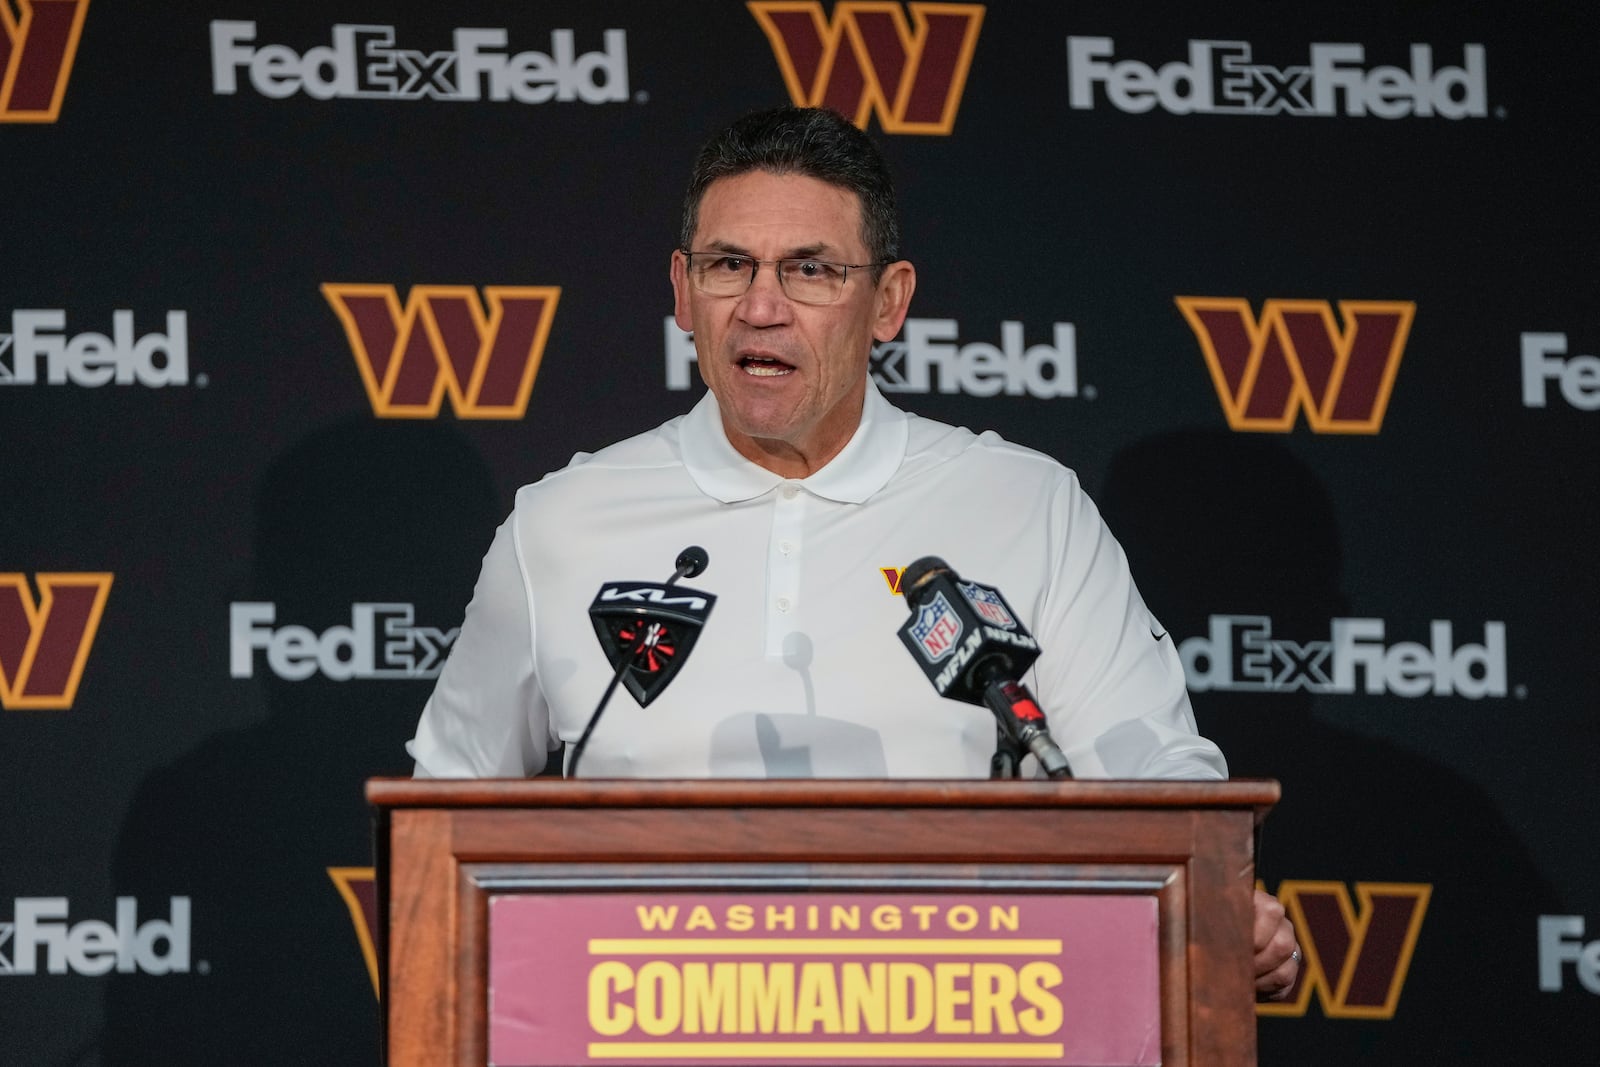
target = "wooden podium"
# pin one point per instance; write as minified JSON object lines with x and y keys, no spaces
{"x":445,"y":849}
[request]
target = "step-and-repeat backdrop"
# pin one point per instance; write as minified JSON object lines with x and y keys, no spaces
{"x":293,"y":298}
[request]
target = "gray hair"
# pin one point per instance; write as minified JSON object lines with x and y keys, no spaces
{"x":810,"y":141}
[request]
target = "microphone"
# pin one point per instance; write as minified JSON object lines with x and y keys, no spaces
{"x":690,"y":562}
{"x":970,"y":645}
{"x":646,"y":630}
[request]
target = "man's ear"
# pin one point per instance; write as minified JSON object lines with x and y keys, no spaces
{"x":680,"y":291}
{"x":893,"y":299}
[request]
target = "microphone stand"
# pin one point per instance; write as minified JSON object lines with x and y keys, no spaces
{"x":1019,"y":733}
{"x":691,"y":561}
{"x":622,"y":666}
{"x":1006,"y":763}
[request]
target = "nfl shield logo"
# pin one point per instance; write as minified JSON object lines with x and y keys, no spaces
{"x":937,"y":629}
{"x":988,"y":604}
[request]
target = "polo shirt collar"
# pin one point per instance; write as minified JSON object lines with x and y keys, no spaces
{"x":861,"y":468}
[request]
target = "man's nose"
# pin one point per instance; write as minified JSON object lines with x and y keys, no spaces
{"x":765,"y":303}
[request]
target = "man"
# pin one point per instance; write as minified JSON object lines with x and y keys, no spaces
{"x":803,"y":483}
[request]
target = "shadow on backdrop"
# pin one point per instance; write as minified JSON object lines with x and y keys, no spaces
{"x":1217,"y":523}
{"x":248,"y":824}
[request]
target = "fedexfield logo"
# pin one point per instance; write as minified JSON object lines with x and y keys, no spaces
{"x":1577,"y":378}
{"x":1295,"y":357}
{"x":92,"y":947}
{"x":37,"y":47}
{"x":1222,"y":78}
{"x":382,"y":642}
{"x":1357,"y":953}
{"x":1561,"y":944}
{"x":45,"y":642}
{"x":442,"y":341}
{"x":929,"y":358}
{"x":38,"y":351}
{"x":1239,"y":654}
{"x":362,"y":63}
{"x":869,"y":59}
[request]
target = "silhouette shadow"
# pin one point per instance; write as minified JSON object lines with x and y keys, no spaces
{"x":1216,"y":523}
{"x":248,"y":823}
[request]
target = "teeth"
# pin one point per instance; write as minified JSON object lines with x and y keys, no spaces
{"x":764,"y":368}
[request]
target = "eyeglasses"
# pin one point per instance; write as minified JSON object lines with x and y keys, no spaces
{"x":803,"y":280}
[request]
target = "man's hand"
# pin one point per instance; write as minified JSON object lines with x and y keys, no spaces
{"x":1277,"y":954}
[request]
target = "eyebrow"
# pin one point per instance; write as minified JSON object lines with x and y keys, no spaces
{"x":800,"y":252}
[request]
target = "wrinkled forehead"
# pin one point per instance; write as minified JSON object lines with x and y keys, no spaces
{"x":787,"y":211}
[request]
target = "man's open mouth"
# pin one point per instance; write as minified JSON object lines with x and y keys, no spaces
{"x":765,"y":366}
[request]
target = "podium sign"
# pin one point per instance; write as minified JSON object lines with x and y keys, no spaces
{"x":800,"y":978}
{"x":547,"y":923}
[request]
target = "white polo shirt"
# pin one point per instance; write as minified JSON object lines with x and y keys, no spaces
{"x":799,"y":672}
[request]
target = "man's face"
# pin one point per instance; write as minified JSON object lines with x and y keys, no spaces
{"x":789,"y":378}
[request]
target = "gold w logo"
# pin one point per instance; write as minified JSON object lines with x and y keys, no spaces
{"x":37,"y":47}
{"x":358,"y":888}
{"x":443,"y":341}
{"x":1295,"y":357}
{"x":869,"y":58}
{"x":1356,"y":954}
{"x":45,"y":644}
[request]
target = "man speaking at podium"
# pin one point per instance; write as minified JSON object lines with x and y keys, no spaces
{"x":805,"y":486}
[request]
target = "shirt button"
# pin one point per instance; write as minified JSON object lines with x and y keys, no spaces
{"x":790,"y":492}
{"x":782,"y":604}
{"x":786,"y":547}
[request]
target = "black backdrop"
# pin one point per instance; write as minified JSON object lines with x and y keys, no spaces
{"x":1396,"y":619}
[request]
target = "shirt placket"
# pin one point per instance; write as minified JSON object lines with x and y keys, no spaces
{"x":783,"y":566}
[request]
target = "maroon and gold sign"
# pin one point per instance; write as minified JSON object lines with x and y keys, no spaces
{"x":634,"y":978}
{"x":444,"y":342}
{"x":1357,"y":952}
{"x":1296,"y":358}
{"x":37,"y":47}
{"x":44,"y":643}
{"x":869,"y":59}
